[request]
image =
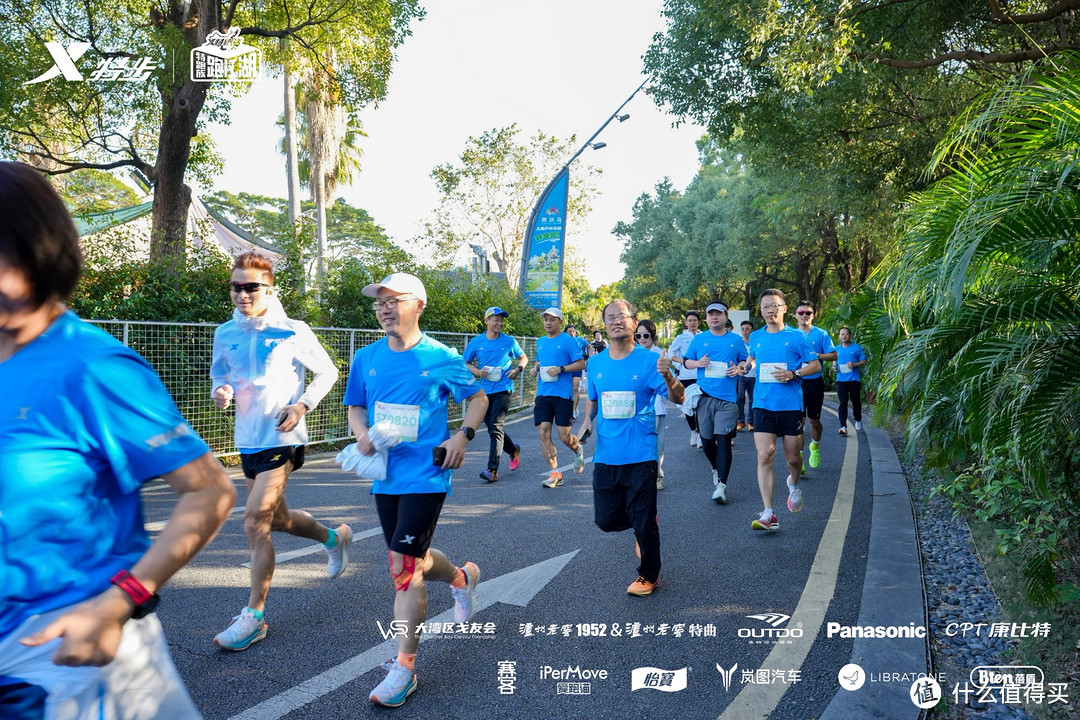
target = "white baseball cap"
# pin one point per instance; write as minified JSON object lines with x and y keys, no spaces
{"x":401,"y":283}
{"x":718,"y":306}
{"x":553,"y":312}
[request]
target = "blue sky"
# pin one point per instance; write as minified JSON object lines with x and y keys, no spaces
{"x":561,"y":67}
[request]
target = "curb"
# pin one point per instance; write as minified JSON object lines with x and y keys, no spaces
{"x":892,"y":595}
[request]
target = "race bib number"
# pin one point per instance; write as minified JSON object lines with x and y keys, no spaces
{"x":716,"y":370}
{"x":404,"y":418}
{"x":767,"y":370}
{"x":844,"y":368}
{"x":618,"y":404}
{"x":545,"y":377}
{"x":494,"y":374}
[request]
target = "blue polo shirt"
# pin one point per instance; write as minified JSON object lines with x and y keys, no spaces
{"x":498,"y":353}
{"x":410,"y":389}
{"x":553,"y":352}
{"x":86,"y":422}
{"x":625,"y":391}
{"x":788,"y":348}
{"x":722,"y":351}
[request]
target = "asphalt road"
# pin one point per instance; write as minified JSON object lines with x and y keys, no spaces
{"x":553,"y":597}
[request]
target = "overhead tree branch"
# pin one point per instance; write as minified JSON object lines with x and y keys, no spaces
{"x":970,"y":56}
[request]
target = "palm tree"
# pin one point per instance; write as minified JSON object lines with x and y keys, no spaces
{"x":980,"y":318}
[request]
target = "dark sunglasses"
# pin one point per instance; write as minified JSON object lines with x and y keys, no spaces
{"x":249,"y":288}
{"x":641,"y":336}
{"x":804,"y":312}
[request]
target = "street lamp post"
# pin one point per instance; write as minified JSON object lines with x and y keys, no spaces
{"x":545,"y":233}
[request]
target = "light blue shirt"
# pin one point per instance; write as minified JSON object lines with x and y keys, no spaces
{"x":84,"y":422}
{"x":789,"y":348}
{"x":553,"y":352}
{"x":416,"y":384}
{"x":722,"y":351}
{"x":851,"y":353}
{"x":499,"y":353}
{"x":820,"y":343}
{"x":627,"y":389}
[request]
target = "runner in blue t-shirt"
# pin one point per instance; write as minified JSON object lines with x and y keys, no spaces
{"x":849,"y":358}
{"x":813,"y":385}
{"x":715,"y":354}
{"x":557,"y":357}
{"x":744,"y":386}
{"x":623,"y":382}
{"x":779,"y":356}
{"x":86,"y":423}
{"x":406,"y":380}
{"x":499,"y":361}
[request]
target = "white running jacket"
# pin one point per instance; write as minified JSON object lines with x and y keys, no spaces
{"x":263,"y":358}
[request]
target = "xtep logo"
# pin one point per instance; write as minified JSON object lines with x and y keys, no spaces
{"x":398,"y":628}
{"x":64,"y":62}
{"x":727,"y":674}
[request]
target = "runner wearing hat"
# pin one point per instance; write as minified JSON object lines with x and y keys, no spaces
{"x":406,"y":379}
{"x":499,"y":361}
{"x":557,"y":356}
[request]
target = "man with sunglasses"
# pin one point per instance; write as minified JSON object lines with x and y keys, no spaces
{"x":715,"y":356}
{"x":406,"y":379}
{"x":259,"y":360}
{"x":623,"y":383}
{"x":499,"y":361}
{"x":813,"y":385}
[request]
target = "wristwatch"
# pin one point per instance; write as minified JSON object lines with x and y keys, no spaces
{"x":145,"y":601}
{"x":469,"y":432}
{"x":795,"y":375}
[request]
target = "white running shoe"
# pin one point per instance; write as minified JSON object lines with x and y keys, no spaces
{"x":715,"y":478}
{"x":693,"y":438}
{"x":720,"y":494}
{"x":396,"y":687}
{"x":794,"y":500}
{"x":858,"y":425}
{"x":244,"y":631}
{"x":465,"y":598}
{"x":337,"y":557}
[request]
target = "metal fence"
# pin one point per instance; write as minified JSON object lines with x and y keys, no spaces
{"x":181,"y":355}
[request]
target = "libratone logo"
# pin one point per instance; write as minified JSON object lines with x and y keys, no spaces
{"x":774,"y":632}
{"x":911,"y":630}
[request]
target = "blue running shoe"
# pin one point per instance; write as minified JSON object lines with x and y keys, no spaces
{"x":244,"y":631}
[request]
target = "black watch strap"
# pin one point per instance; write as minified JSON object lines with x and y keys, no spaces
{"x":469,"y":432}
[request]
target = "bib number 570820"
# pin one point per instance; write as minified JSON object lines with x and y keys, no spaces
{"x":404,"y":418}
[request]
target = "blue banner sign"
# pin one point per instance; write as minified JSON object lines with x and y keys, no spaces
{"x":542,"y":256}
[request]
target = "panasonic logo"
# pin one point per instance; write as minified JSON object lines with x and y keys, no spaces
{"x":911,"y":630}
{"x":572,"y":673}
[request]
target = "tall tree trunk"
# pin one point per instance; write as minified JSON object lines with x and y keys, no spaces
{"x":181,"y":105}
{"x":292,"y":167}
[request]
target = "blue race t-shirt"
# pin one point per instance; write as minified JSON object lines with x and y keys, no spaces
{"x":820,"y":342}
{"x":86,"y":421}
{"x":410,"y":389}
{"x":499,"y":353}
{"x":625,"y":391}
{"x":844,"y":355}
{"x":787,"y":349}
{"x":722,"y":351}
{"x":553,"y":352}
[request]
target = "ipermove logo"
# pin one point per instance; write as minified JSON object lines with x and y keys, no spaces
{"x":774,"y":634}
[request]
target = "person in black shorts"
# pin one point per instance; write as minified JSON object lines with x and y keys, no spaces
{"x":557,"y":356}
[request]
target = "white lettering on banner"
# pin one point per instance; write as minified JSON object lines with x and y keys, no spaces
{"x":404,"y":418}
{"x":549,"y":673}
{"x":618,"y":404}
{"x":911,"y":630}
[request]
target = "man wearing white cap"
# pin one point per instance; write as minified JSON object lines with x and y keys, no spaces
{"x":499,"y":361}
{"x":557,"y":357}
{"x":406,"y":379}
{"x":715,"y":355}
